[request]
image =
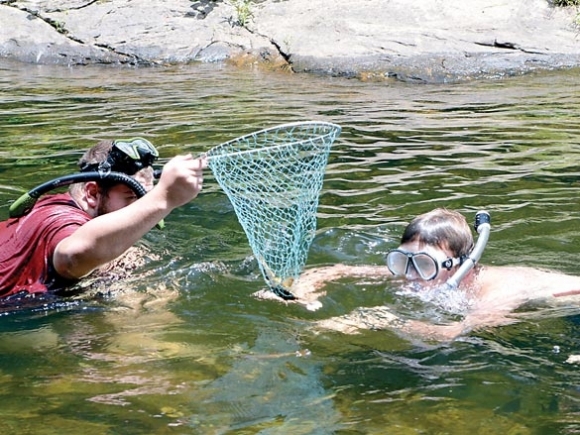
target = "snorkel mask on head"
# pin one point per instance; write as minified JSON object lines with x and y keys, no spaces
{"x":126,"y":158}
{"x":428,"y":267}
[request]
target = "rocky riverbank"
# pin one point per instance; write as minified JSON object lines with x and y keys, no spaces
{"x":419,"y":40}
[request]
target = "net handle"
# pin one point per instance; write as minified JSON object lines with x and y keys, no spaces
{"x":334,"y":129}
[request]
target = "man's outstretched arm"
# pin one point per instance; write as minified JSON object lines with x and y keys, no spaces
{"x":106,"y":237}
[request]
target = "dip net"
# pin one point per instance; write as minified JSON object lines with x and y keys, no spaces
{"x":273,"y":179}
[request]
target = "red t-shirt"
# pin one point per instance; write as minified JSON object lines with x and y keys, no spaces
{"x":28,"y":242}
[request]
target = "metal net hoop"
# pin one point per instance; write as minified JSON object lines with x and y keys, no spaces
{"x":273,"y":178}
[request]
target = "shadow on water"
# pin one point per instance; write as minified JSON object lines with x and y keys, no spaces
{"x":183,"y":347}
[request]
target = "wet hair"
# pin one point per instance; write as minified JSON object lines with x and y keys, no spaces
{"x":96,"y":154}
{"x":442,"y":228}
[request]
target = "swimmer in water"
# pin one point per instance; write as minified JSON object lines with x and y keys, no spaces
{"x":50,"y":245}
{"x":432,"y":248}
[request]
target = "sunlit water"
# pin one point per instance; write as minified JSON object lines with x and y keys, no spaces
{"x":186,"y":349}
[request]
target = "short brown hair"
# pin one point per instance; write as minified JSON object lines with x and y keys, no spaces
{"x":442,"y":228}
{"x":96,"y":154}
{"x":99,"y":153}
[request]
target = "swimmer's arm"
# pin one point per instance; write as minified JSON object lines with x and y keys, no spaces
{"x":448,"y":332}
{"x":315,"y":279}
{"x":106,"y":237}
{"x":380,"y":318}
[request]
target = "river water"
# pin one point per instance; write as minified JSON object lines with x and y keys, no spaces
{"x":184,"y":348}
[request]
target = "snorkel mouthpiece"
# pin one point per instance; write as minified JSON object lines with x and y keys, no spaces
{"x":483,"y":227}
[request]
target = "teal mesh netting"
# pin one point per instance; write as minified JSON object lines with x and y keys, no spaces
{"x":273,"y":178}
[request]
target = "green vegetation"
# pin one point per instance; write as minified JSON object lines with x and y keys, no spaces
{"x":243,"y":11}
{"x":242,"y":8}
{"x":566,"y":2}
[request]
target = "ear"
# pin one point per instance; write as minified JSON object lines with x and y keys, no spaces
{"x":92,"y":194}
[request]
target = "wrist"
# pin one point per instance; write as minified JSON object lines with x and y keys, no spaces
{"x":159,"y":198}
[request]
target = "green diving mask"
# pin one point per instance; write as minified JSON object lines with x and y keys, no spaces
{"x":126,"y":156}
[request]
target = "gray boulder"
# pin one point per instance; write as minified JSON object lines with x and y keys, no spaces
{"x":419,"y":40}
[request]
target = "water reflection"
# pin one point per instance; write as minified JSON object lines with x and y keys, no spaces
{"x":277,"y":390}
{"x":184,"y":347}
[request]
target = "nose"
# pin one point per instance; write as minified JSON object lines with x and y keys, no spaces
{"x":411,"y":274}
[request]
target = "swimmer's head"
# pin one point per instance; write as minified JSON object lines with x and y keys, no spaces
{"x":432,"y":247}
{"x":441,"y":228}
{"x":108,"y":194}
{"x":106,"y":154}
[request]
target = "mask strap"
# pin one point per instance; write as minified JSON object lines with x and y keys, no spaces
{"x":450,"y":262}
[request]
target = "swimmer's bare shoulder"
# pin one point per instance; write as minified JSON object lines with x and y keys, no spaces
{"x":527,"y":283}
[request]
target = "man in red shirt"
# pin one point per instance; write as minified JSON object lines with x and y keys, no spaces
{"x":66,"y":236}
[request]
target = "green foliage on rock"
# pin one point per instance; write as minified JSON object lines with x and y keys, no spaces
{"x":243,"y":11}
{"x":566,"y":2}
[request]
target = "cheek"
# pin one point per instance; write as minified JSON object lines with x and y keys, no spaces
{"x":444,"y":275}
{"x":116,"y":203}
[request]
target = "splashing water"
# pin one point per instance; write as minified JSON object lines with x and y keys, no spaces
{"x":450,"y":300}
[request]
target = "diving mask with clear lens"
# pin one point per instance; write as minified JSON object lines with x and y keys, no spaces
{"x":427,"y":267}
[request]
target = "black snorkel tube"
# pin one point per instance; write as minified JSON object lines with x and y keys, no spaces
{"x":483,"y":227}
{"x":25,"y":203}
{"x":125,"y":158}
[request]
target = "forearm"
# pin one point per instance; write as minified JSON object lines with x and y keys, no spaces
{"x":314,"y":279}
{"x":365,"y":271}
{"x":380,"y":318}
{"x":106,"y":237}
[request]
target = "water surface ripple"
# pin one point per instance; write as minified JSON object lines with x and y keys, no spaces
{"x":184,"y":348}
